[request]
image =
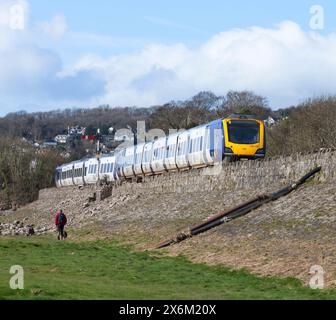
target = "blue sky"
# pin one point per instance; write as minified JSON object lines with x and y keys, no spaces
{"x":83,"y":53}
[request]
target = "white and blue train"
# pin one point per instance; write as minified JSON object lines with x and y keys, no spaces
{"x":236,"y":136}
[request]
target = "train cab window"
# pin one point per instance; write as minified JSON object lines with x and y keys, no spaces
{"x":244,"y":132}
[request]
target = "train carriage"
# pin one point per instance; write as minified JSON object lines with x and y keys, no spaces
{"x":170,"y":159}
{"x":58,"y":177}
{"x":107,"y":168}
{"x":119,"y":163}
{"x":67,"y":175}
{"x":197,"y":147}
{"x":147,"y":158}
{"x":182,"y":162}
{"x":138,"y":159}
{"x":92,"y":171}
{"x":159,"y":155}
{"x":128,"y":166}
{"x":78,"y":173}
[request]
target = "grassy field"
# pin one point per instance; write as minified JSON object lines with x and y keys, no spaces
{"x":106,"y":270}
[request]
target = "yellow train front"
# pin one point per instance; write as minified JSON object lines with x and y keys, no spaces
{"x":244,"y":137}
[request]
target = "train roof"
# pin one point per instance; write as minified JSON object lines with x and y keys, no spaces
{"x":244,"y":117}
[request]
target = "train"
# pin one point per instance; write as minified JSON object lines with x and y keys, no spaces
{"x":227,"y":139}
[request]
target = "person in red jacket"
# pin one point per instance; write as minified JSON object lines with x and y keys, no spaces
{"x":60,"y":222}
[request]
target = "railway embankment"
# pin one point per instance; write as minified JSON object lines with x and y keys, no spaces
{"x":285,"y":238}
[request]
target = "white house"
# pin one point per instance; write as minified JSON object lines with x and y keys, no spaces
{"x":61,"y":138}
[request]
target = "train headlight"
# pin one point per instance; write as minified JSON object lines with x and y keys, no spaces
{"x":260,"y":151}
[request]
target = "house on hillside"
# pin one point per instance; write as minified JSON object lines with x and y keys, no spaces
{"x":61,"y":138}
{"x":49,"y":144}
{"x":270,"y":122}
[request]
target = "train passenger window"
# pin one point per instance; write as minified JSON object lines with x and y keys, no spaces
{"x":172,"y":153}
{"x":201,"y":144}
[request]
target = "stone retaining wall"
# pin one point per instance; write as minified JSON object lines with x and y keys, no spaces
{"x":239,"y":175}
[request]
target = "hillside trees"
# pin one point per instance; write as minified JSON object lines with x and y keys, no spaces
{"x":23,"y":171}
{"x":311,"y":126}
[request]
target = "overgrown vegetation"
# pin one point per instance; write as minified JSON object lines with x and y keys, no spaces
{"x":24,"y":171}
{"x":105,"y":270}
{"x":308,"y":128}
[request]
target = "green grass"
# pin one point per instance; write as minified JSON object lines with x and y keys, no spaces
{"x":107,"y":270}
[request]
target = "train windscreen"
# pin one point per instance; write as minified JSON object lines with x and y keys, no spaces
{"x":244,"y":132}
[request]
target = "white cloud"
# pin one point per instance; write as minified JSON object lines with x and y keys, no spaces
{"x":284,"y":63}
{"x":31,"y":75}
{"x":55,"y":28}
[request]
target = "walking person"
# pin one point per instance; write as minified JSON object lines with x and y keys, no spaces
{"x":60,"y":222}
